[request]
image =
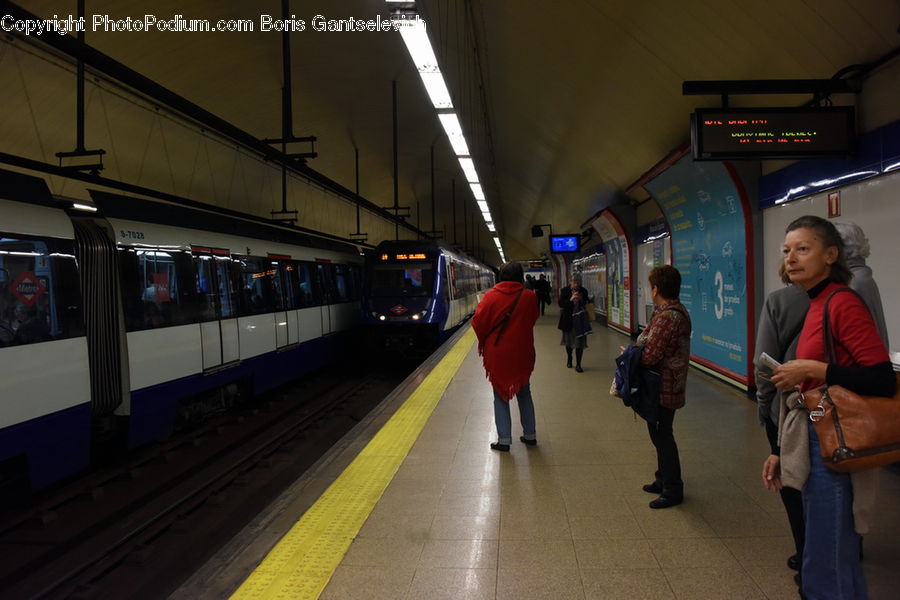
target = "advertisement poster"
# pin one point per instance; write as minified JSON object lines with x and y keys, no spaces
{"x":706,"y":218}
{"x":618,"y":271}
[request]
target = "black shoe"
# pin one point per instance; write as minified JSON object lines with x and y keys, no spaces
{"x":794,"y":562}
{"x":526,"y":441}
{"x":578,"y":369}
{"x":652,"y":488}
{"x":666,"y":502}
{"x":799,"y":581}
{"x":500,"y":447}
{"x":569,"y":364}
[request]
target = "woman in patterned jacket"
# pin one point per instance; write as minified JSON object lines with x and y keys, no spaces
{"x":667,"y":346}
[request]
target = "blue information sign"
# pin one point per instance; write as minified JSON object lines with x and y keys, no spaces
{"x":564,"y":243}
{"x":709,"y":244}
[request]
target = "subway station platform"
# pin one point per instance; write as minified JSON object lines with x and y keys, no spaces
{"x":413,"y":504}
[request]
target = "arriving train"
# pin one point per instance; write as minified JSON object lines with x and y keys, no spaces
{"x":418,"y":292}
{"x":115,"y":324}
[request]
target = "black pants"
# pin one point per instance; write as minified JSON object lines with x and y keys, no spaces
{"x":668,"y":473}
{"x":791,"y":498}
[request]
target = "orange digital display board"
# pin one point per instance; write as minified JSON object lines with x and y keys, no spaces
{"x":416,"y":256}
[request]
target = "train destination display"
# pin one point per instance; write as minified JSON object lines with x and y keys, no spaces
{"x":759,"y":133}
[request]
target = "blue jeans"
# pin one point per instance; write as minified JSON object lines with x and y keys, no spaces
{"x":504,"y":421}
{"x":831,"y":566}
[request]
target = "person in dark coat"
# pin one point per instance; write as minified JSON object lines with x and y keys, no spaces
{"x":572,"y":301}
{"x":543,"y":292}
{"x":504,"y":323}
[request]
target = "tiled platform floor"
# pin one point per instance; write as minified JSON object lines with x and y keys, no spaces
{"x":567,"y":519}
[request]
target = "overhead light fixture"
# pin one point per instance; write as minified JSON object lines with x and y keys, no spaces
{"x":454,"y":133}
{"x":417,"y":43}
{"x":486,"y":215}
{"x":482,"y":206}
{"x":87,"y":207}
{"x":477,"y":191}
{"x":437,"y":89}
{"x":490,"y":226}
{"x":468,"y":167}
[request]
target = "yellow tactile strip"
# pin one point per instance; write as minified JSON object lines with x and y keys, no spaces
{"x":301,"y":564}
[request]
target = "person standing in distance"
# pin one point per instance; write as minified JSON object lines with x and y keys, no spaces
{"x":504,"y":324}
{"x":572,"y":300}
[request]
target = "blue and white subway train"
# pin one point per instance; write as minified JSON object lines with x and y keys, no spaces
{"x":121,"y":320}
{"x":418,"y":292}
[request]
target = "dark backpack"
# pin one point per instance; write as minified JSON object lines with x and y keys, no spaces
{"x":638,"y":386}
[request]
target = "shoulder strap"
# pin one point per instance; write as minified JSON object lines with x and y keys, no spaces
{"x":501,"y":325}
{"x":827,"y":336}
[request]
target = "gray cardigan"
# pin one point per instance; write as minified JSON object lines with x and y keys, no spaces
{"x":864,"y":284}
{"x":780,"y":323}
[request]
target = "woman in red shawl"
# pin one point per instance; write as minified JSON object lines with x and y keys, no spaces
{"x":504,"y":323}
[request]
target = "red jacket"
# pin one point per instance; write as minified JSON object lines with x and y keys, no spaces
{"x":509,"y":363}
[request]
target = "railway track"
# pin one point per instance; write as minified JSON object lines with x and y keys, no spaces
{"x":138,"y":529}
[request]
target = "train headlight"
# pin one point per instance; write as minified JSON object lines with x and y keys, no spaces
{"x":382,"y":317}
{"x":418,"y":315}
{"x":415,"y":317}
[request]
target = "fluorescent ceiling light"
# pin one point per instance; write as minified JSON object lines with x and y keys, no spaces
{"x":468,"y":167}
{"x":490,"y":225}
{"x":486,"y":215}
{"x":482,"y":206}
{"x":88,"y":207}
{"x":437,"y":89}
{"x":454,"y":133}
{"x":477,"y":191}
{"x":497,"y":241}
{"x":416,"y":39}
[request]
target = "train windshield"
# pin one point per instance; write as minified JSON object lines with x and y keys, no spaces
{"x":406,"y":279}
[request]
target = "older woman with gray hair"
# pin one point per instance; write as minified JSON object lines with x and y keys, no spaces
{"x":856,"y":247}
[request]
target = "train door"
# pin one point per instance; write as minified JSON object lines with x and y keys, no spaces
{"x":290,"y":287}
{"x":452,"y":304}
{"x":286,"y":331}
{"x":218,"y":317}
{"x":324,"y":277}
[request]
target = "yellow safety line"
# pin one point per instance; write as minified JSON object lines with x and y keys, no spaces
{"x":301,"y":564}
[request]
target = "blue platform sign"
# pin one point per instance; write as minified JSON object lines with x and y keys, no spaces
{"x":709,"y":243}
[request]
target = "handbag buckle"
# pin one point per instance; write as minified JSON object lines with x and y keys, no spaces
{"x":818,"y":414}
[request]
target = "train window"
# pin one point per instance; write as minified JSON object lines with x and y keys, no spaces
{"x":40,"y":299}
{"x":341,"y":283}
{"x":159,"y":288}
{"x":354,"y":282}
{"x":326,"y":283}
{"x":257,"y":293}
{"x":403,"y":279}
{"x":215,"y":288}
{"x":290,"y":285}
{"x":278,"y":291}
{"x":307,"y":290}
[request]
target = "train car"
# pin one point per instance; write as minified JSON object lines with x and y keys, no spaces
{"x":120,"y":323}
{"x":418,"y":292}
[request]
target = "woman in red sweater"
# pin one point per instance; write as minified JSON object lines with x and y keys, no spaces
{"x":504,"y":323}
{"x":814,"y":261}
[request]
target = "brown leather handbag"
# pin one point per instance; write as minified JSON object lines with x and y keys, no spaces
{"x":855,"y":432}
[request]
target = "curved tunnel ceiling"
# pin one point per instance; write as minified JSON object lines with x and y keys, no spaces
{"x":581,"y":96}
